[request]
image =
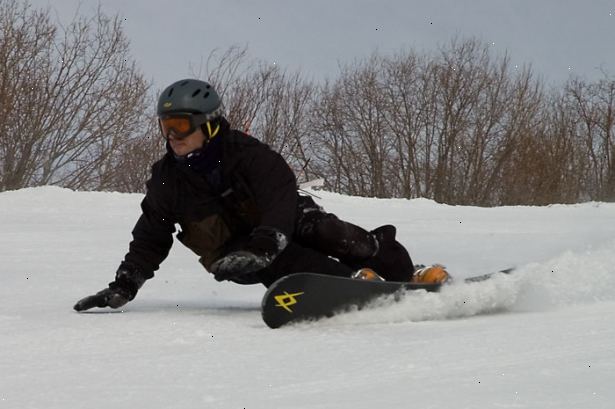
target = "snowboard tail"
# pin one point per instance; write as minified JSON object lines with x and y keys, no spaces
{"x":309,"y":296}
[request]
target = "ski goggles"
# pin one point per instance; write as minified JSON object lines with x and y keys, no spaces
{"x":180,"y":124}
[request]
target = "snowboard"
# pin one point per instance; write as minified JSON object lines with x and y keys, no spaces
{"x":309,"y":296}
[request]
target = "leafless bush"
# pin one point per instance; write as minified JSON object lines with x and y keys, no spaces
{"x":134,"y":159}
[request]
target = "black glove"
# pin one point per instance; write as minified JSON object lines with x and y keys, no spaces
{"x":264,"y":246}
{"x":239,"y":264}
{"x":127,"y":282}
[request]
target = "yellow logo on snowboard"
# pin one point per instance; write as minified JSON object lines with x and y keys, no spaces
{"x":286,"y":300}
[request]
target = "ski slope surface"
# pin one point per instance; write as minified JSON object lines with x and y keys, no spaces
{"x":543,"y":337}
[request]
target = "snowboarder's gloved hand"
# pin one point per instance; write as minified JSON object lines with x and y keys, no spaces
{"x":127,"y":282}
{"x":264,"y":246}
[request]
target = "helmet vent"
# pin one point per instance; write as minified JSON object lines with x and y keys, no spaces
{"x":206,"y":95}
{"x":208,"y":86}
{"x":170,"y":92}
{"x":195,"y":93}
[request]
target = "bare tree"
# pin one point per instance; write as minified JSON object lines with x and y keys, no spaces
{"x":594,"y":105}
{"x":432,"y":126}
{"x":460,"y":126}
{"x":350,"y":124}
{"x":71,"y":97}
{"x":266,"y":101}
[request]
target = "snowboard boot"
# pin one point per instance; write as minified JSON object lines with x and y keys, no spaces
{"x":391,"y":259}
{"x":434,"y":274}
{"x":366,"y":274}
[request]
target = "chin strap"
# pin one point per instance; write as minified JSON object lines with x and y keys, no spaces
{"x":212,"y":133}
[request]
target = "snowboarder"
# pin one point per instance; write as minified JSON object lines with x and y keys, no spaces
{"x":238,"y":208}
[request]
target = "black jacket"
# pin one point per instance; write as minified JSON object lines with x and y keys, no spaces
{"x":257,"y":188}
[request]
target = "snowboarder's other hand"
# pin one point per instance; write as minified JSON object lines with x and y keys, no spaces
{"x":127,"y":282}
{"x":237,"y":264}
{"x":263,"y":247}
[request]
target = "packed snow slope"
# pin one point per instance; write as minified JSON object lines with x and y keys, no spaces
{"x":541,"y":338}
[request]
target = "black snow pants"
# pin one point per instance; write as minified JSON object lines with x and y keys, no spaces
{"x":324,"y":244}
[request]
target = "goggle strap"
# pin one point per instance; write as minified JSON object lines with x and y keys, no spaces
{"x":213,"y":133}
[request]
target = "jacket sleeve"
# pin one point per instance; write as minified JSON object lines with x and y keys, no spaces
{"x":152,"y":235}
{"x":274,"y":186}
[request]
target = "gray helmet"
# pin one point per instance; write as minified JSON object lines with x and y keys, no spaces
{"x":190,"y":96}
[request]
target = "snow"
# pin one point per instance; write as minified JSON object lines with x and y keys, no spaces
{"x":541,"y":338}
